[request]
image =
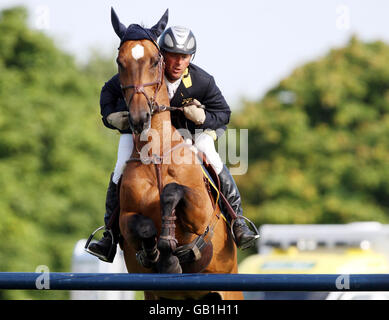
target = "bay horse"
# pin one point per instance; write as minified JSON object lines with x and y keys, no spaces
{"x":168,"y":221}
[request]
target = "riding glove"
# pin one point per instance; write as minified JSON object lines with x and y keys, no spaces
{"x":195,"y":112}
{"x":119,"y":120}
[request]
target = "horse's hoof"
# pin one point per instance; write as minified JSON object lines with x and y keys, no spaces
{"x":169,"y":264}
{"x":145,"y":261}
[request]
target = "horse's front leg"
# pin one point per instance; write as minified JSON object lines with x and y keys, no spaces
{"x":172,"y":194}
{"x":140,"y":229}
{"x":147,"y":233}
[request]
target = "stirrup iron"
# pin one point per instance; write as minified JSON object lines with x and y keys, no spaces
{"x":86,"y":248}
{"x":250,"y":223}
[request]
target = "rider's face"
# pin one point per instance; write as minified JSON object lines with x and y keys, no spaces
{"x":175,"y":65}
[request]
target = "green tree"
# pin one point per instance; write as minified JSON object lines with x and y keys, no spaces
{"x":55,"y":153}
{"x":318,"y":141}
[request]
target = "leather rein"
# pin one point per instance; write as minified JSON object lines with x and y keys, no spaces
{"x":140,"y":89}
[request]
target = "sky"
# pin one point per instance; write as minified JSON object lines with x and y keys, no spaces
{"x":247,"y":45}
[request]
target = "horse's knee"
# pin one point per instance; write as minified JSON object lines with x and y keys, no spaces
{"x":146,"y":229}
{"x":143,"y":236}
{"x":172,"y":191}
{"x":169,"y":264}
{"x":172,"y":194}
{"x":142,"y":227}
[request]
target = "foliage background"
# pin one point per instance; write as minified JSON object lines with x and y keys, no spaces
{"x":55,"y":154}
{"x":318,"y":146}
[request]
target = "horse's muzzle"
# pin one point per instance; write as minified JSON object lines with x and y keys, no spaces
{"x":140,"y":122}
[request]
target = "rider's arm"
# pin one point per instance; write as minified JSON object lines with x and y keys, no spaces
{"x":110,"y":100}
{"x":217,"y":111}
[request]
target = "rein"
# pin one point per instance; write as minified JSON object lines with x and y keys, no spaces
{"x":140,"y":89}
{"x":152,"y":103}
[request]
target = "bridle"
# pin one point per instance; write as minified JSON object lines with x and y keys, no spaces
{"x":140,"y":88}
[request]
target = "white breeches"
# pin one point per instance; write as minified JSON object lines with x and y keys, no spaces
{"x":126,"y":146}
{"x":204,"y":142}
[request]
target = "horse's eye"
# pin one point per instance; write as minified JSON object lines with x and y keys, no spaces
{"x":154,"y":63}
{"x":119,"y":64}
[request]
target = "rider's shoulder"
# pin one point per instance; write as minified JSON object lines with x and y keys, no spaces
{"x":113,"y":83}
{"x":115,"y":79}
{"x":196,"y":71}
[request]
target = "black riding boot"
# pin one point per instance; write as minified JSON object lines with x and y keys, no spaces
{"x":105,"y":249}
{"x":244,"y":237}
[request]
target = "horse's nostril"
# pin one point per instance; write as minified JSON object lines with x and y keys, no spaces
{"x":147,"y":117}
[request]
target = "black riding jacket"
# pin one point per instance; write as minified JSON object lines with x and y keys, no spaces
{"x":195,"y":84}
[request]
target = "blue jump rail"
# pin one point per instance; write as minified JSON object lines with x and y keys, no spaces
{"x":222,"y":282}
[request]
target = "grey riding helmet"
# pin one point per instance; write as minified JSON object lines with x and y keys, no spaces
{"x":178,"y":39}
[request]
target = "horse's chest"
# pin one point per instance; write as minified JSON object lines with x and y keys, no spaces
{"x":139,"y":192}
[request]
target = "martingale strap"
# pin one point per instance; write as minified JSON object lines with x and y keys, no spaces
{"x":158,"y":161}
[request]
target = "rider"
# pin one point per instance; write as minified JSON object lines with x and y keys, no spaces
{"x":205,"y":109}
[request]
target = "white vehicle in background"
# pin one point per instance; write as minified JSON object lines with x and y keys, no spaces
{"x":354,"y":248}
{"x":83,"y":262}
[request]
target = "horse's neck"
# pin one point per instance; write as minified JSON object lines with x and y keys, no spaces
{"x":161,"y":123}
{"x":166,"y":135}
{"x":163,"y":135}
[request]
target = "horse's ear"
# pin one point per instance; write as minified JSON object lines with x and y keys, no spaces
{"x":161,"y":25}
{"x":119,"y":27}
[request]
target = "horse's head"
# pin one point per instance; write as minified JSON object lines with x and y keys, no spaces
{"x":141,"y":68}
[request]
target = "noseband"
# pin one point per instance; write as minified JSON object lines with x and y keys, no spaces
{"x":140,"y":88}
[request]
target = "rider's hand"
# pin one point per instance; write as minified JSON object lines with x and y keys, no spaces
{"x":195,"y":111}
{"x":119,"y":120}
